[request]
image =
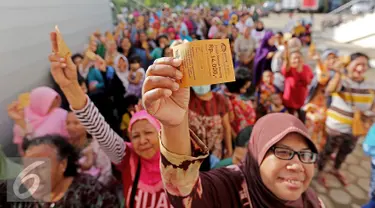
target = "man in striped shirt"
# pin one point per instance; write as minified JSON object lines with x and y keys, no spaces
{"x":349,"y":93}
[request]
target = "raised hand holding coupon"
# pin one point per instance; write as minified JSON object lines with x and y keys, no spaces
{"x":24,"y":100}
{"x":205,"y":62}
{"x":91,"y":55}
{"x":63,"y":49}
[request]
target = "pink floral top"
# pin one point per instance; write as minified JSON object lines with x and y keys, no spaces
{"x":264,"y":94}
{"x":244,"y":113}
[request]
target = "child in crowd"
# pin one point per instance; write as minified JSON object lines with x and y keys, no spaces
{"x":276,"y":105}
{"x":82,"y":83}
{"x":244,"y":113}
{"x":315,"y":120}
{"x":95,"y":79}
{"x":130,"y":104}
{"x":136,"y":76}
{"x":266,"y":89}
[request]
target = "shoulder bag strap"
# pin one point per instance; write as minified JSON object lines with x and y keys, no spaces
{"x":135,"y":184}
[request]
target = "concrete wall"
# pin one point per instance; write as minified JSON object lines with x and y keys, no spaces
{"x":25,"y":46}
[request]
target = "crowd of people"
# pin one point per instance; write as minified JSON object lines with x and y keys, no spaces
{"x":120,"y":132}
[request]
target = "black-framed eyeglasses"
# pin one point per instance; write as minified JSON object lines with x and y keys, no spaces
{"x":305,"y":156}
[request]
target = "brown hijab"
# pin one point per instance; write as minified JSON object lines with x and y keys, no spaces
{"x":267,"y":131}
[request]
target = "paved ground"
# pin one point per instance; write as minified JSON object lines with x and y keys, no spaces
{"x":357,"y":167}
{"x":357,"y":170}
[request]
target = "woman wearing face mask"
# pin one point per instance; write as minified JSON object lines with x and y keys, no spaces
{"x":138,"y":161}
{"x":42,"y":116}
{"x":277,"y":170}
{"x":209,"y":120}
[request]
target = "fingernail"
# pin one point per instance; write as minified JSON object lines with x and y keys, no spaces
{"x":167,"y":93}
{"x":62,"y":59}
{"x":175,"y":86}
{"x":177,"y":61}
{"x":178,"y":74}
{"x":63,"y":65}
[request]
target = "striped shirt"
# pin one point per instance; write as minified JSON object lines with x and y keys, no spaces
{"x":110,"y":142}
{"x":350,"y":95}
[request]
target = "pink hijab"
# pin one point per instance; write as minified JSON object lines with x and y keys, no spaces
{"x":39,"y":119}
{"x":150,"y":177}
{"x":268,"y":131}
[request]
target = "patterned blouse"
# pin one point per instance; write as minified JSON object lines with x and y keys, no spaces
{"x":85,"y":191}
{"x":264,"y":94}
{"x":244,"y":113}
{"x":205,"y":120}
{"x":187,"y":187}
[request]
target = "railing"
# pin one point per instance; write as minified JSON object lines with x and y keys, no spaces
{"x":345,"y":7}
{"x":340,"y":15}
{"x":334,"y":20}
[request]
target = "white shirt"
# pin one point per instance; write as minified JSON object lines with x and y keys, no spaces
{"x":257,"y":36}
{"x":241,"y":27}
{"x":249,"y":22}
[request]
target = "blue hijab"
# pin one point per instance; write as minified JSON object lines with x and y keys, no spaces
{"x":183,"y":30}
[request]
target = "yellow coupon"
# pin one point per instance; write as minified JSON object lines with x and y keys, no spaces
{"x":92,"y":37}
{"x":91,"y":55}
{"x":345,"y":59}
{"x":287,"y":36}
{"x":312,"y":48}
{"x":64,"y":50}
{"x":121,"y":25}
{"x":205,"y":62}
{"x":109,"y":36}
{"x":24,"y":100}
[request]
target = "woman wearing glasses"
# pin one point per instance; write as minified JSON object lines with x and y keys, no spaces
{"x":277,"y":170}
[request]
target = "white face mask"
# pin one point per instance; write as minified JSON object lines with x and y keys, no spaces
{"x":202,"y":90}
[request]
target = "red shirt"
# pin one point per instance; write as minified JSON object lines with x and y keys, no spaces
{"x":296,"y":86}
